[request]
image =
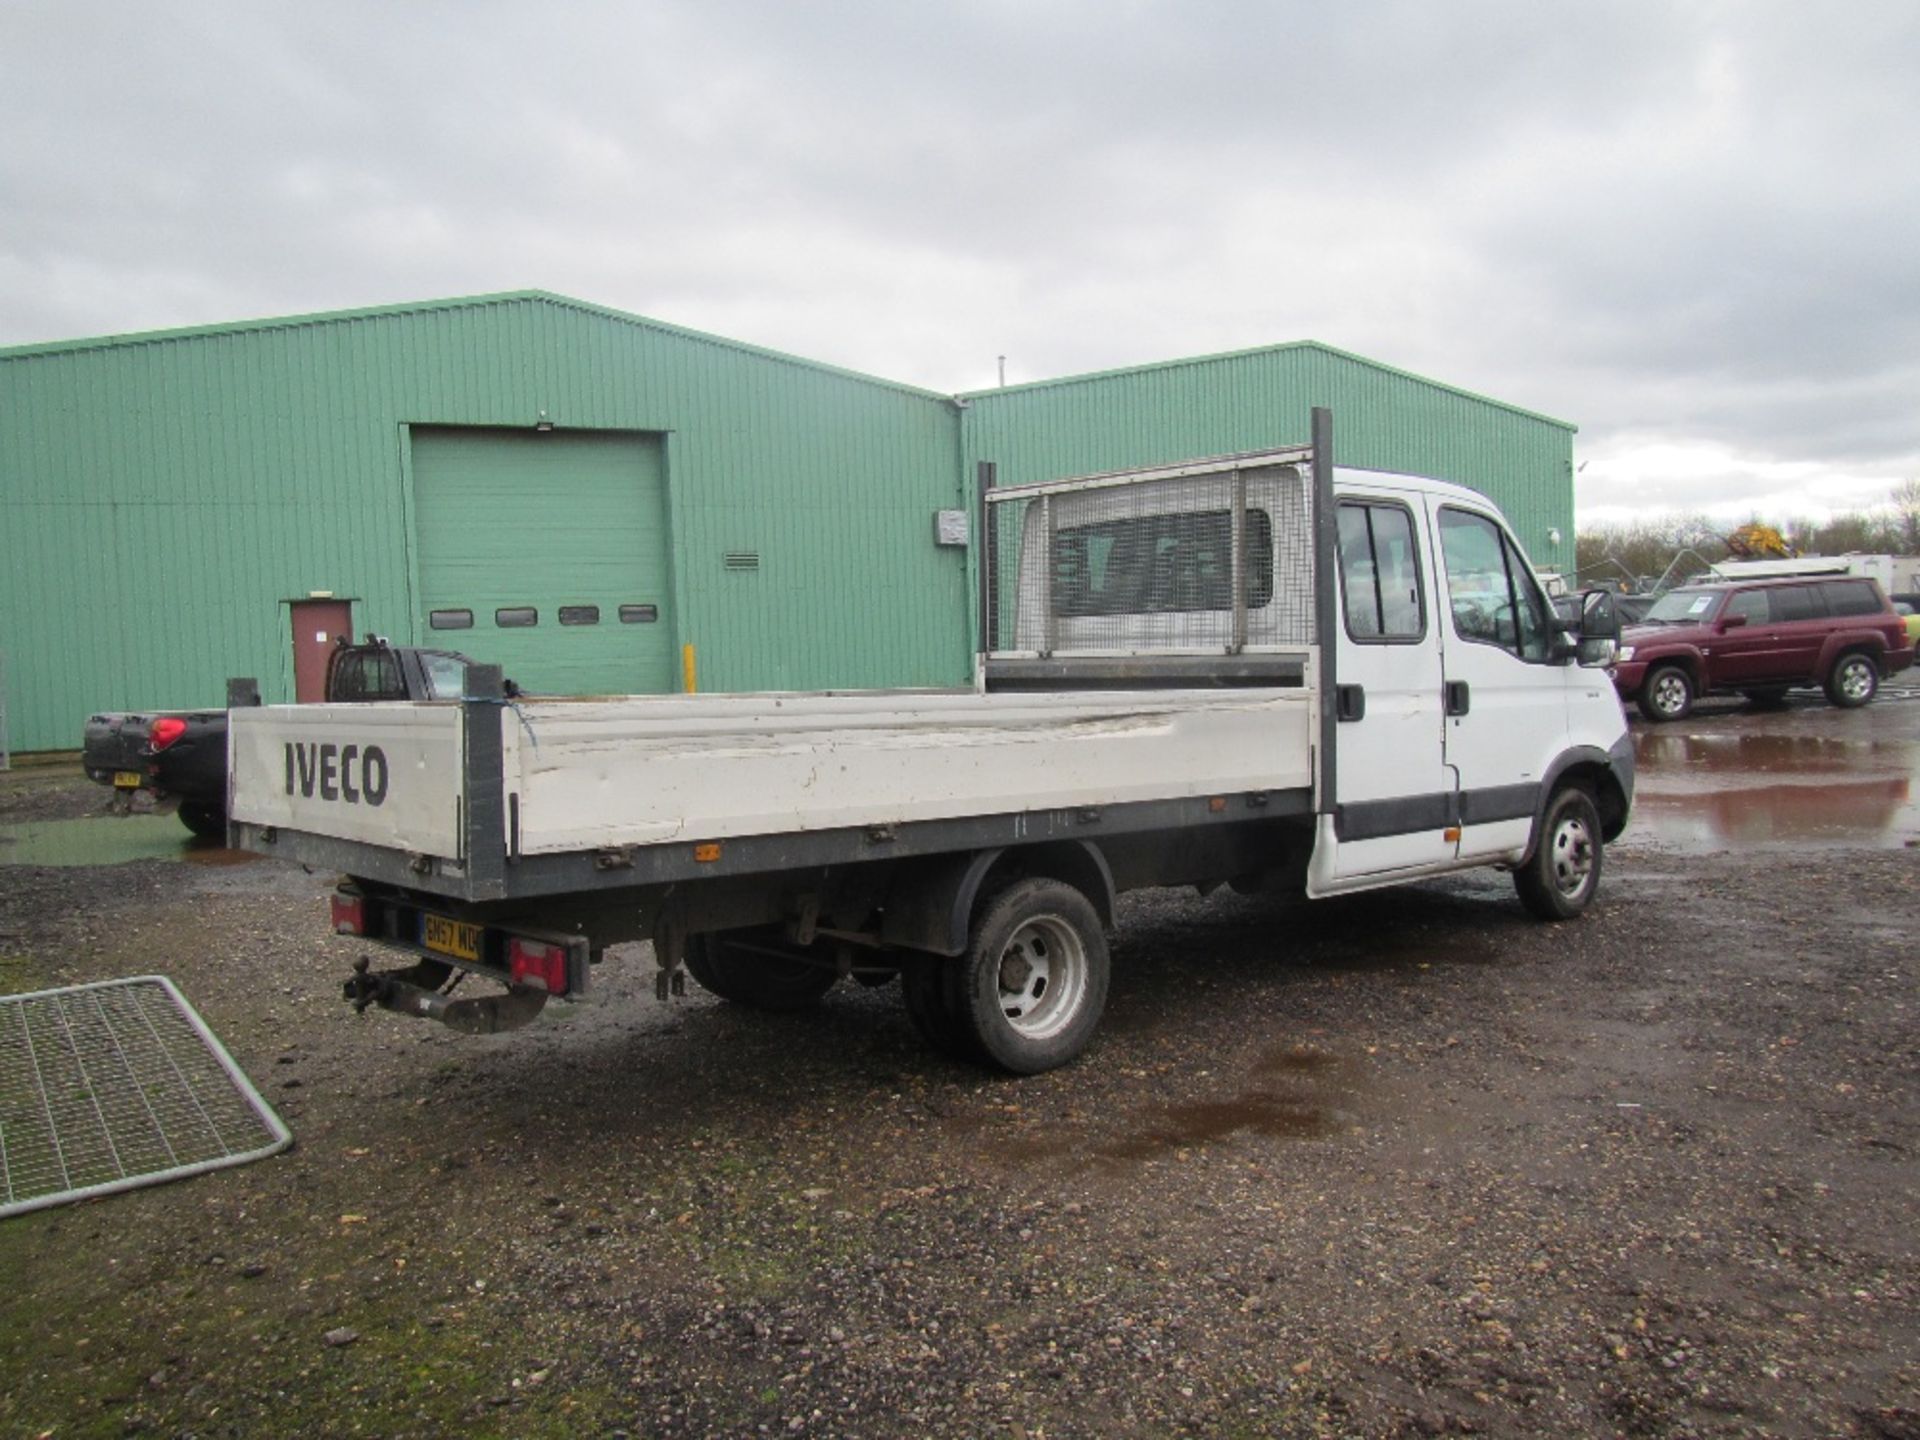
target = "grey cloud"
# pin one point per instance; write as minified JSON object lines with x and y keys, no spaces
{"x":1688,"y":221}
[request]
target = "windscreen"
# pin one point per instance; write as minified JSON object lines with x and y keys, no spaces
{"x":1683,"y":607}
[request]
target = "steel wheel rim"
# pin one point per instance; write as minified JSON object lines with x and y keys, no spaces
{"x":1856,"y":681}
{"x":1042,"y":977}
{"x":1572,"y":855}
{"x":1669,"y":694}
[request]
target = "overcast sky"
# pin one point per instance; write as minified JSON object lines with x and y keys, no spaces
{"x":1691,"y":229}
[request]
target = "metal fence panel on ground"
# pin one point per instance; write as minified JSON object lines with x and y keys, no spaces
{"x":108,"y":1086}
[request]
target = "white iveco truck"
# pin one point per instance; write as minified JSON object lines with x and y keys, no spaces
{"x":1253,"y":670}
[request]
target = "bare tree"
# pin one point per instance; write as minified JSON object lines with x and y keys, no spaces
{"x":1645,"y":549}
{"x":1906,"y":515}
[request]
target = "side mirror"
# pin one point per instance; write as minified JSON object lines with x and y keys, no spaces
{"x":1599,"y":616}
{"x":1732,"y":622}
{"x":1596,"y":637}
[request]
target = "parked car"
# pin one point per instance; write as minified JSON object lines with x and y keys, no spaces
{"x":1759,"y":638}
{"x":181,"y":755}
{"x":1907,"y":607}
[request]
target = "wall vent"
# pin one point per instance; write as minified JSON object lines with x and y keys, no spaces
{"x":742,"y":560}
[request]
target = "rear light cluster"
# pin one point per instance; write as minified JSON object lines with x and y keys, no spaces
{"x":164,"y":731}
{"x":536,"y":963}
{"x":530,"y":962}
{"x":349,"y":914}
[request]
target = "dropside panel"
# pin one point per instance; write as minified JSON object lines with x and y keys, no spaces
{"x":388,"y":775}
{"x":585,"y":775}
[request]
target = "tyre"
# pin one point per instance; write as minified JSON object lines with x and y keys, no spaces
{"x":1767,"y":697}
{"x":926,"y":982}
{"x":758,"y":968}
{"x":1855,"y":680}
{"x":1563,"y":873}
{"x":1033,"y":981}
{"x":1666,"y":694}
{"x":206,"y":820}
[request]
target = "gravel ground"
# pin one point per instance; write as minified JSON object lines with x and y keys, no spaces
{"x":1408,"y":1164}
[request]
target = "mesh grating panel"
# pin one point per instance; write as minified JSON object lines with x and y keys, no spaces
{"x":105,"y":1087}
{"x":1153,"y":564}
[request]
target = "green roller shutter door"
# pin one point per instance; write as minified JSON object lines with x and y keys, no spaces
{"x":559,"y":528}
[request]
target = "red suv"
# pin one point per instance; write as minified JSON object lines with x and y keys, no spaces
{"x":1759,"y":637}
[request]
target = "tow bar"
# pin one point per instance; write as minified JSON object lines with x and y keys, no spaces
{"x":416,"y":991}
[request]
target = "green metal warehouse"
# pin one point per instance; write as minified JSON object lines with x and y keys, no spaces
{"x":578,"y":494}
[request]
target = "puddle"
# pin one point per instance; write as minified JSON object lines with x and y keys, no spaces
{"x":1738,"y":753}
{"x":1711,"y":789}
{"x":1290,"y":1094}
{"x":1294,"y":1062}
{"x":1259,"y":1113}
{"x":111,"y":840}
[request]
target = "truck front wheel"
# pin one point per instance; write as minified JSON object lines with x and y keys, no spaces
{"x":757,"y":968}
{"x":1033,"y":980}
{"x":1563,"y":873}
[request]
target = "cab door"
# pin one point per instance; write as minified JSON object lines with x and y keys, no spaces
{"x":1393,"y":788}
{"x":1750,"y":649}
{"x":1506,"y":694}
{"x":1800,"y":627}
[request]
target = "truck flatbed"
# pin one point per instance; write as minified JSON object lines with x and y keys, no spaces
{"x":591,"y":778}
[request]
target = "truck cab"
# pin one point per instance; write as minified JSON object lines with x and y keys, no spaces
{"x":1464,"y":704}
{"x":1461,"y":698}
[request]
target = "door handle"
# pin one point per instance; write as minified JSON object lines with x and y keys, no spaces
{"x":1350,"y":702}
{"x":1459,"y":699}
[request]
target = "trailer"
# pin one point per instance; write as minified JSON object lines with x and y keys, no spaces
{"x":1251,"y":670}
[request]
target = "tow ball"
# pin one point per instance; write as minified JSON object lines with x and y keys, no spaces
{"x":416,"y":991}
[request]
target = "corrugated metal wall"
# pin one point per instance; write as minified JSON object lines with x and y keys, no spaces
{"x":1383,"y":419}
{"x":160,"y":498}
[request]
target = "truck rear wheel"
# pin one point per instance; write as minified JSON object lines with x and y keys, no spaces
{"x":209,"y":822}
{"x":926,"y":983}
{"x":1562,"y":875}
{"x":1033,"y":980}
{"x":758,"y":968}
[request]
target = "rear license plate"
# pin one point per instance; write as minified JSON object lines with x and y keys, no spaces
{"x":127,"y":779}
{"x":450,"y":937}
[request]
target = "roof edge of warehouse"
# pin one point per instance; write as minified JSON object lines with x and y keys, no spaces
{"x":455,"y":302}
{"x":1092,"y":375}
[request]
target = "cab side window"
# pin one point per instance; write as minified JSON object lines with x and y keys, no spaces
{"x":446,"y":676}
{"x":1494,"y":597}
{"x":1380,"y":572}
{"x":1750,"y":603}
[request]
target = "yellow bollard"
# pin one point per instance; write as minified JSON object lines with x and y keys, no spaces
{"x":687,"y":677}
